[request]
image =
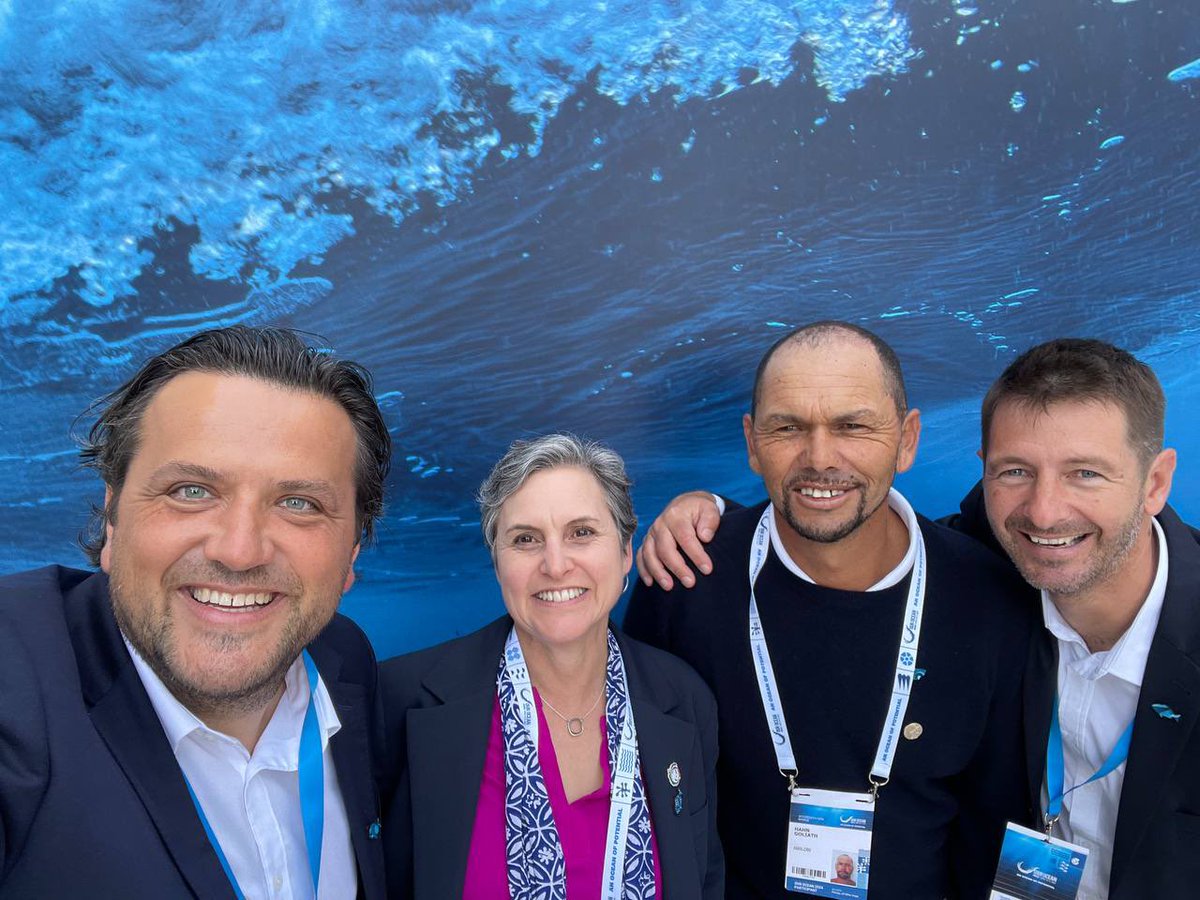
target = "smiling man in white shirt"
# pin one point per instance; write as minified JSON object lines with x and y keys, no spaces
{"x":1074,"y":475}
{"x":195,"y":720}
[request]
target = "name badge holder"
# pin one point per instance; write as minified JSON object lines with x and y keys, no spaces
{"x":1035,"y":865}
{"x":829,"y":832}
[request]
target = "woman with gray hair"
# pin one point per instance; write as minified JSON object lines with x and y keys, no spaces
{"x":547,"y":755}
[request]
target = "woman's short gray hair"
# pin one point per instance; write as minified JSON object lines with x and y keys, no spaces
{"x":551,"y":451}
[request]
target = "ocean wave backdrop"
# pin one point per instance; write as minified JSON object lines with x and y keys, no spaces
{"x":528,"y":215}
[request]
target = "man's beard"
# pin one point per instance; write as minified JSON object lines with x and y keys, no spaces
{"x":836,"y":531}
{"x":1104,"y":560}
{"x":152,"y":634}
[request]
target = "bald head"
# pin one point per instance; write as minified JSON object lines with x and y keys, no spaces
{"x":828,"y":334}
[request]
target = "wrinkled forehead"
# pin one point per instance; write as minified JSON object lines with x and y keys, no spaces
{"x":834,"y":371}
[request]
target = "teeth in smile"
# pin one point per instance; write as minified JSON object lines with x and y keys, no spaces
{"x":559,"y":596}
{"x":226,"y":600}
{"x":1055,"y":542}
{"x":820,"y":493}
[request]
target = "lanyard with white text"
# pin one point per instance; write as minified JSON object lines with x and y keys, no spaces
{"x":906,"y":662}
{"x":311,"y":767}
{"x":1054,"y":766}
{"x":621,"y":777}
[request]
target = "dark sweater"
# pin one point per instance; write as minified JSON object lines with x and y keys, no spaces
{"x":940,"y":820}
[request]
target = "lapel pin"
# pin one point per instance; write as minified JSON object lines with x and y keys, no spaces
{"x":1165,"y":711}
{"x":373,"y":830}
{"x":913,"y":730}
{"x":674,"y":776}
{"x":679,"y":801}
{"x":918,"y":674}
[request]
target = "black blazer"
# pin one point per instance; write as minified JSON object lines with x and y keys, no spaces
{"x":1156,"y":850}
{"x":437,"y":707}
{"x":92,"y":801}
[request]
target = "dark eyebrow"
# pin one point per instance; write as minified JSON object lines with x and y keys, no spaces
{"x":782,"y":419}
{"x":1091,"y":462}
{"x":178,"y":469}
{"x":313,"y":486}
{"x":856,"y":415}
{"x":306,"y":485}
{"x":996,"y":461}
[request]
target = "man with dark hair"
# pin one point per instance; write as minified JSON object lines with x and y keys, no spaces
{"x":194,"y":719}
{"x":849,"y":675}
{"x":1075,"y":488}
{"x":1075,"y":491}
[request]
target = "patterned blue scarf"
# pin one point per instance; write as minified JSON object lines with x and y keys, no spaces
{"x":536,"y":868}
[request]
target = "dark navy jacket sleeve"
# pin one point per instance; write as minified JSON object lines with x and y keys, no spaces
{"x":24,"y":755}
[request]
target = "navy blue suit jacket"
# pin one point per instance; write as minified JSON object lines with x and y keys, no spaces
{"x":1156,"y":850}
{"x":92,"y":801}
{"x":438,"y":706}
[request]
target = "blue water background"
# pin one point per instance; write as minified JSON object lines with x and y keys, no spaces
{"x":527,"y":216}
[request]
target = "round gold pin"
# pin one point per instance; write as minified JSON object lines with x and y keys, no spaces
{"x":913,"y":730}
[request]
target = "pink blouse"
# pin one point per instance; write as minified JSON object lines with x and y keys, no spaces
{"x":582,"y":825}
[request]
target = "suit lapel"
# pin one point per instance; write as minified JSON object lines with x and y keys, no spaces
{"x":663,"y":741}
{"x":1041,"y":682}
{"x":351,"y":750}
{"x":1172,"y":678}
{"x":125,"y":719}
{"x":447,"y":746}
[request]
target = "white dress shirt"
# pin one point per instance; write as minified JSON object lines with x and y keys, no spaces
{"x":1097,"y":697}
{"x":901,"y":506}
{"x":252,"y":800}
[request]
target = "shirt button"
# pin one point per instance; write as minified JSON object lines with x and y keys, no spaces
{"x":278,"y":883}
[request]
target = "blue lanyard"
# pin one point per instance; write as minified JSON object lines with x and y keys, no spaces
{"x":1054,"y":766}
{"x":312,"y":790}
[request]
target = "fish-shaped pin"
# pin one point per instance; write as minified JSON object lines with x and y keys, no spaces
{"x":1165,"y":711}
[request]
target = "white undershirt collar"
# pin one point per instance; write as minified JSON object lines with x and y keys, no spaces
{"x":285,"y":724}
{"x":907,"y":514}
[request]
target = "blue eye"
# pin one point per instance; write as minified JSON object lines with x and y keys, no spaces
{"x":191,"y":492}
{"x":298,"y":504}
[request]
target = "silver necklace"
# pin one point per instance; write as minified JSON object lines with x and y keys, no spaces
{"x":574,"y":723}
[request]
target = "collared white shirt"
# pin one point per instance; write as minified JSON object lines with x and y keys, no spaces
{"x":1097,"y":698}
{"x":252,"y":800}
{"x":903,"y":508}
